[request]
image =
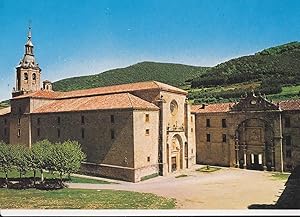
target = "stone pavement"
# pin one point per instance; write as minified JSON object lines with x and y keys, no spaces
{"x":228,"y":188}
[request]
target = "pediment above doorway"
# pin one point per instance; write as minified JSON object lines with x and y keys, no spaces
{"x":251,"y":102}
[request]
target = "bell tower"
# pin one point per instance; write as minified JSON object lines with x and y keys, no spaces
{"x":28,"y":71}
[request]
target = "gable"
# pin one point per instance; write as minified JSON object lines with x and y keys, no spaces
{"x":254,"y":103}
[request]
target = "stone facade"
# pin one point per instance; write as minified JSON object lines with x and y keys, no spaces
{"x":253,"y":133}
{"x":129,"y":131}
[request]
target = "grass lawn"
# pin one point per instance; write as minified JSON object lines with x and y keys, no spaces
{"x":47,"y":175}
{"x":280,"y":176}
{"x":208,"y":169}
{"x":81,"y":199}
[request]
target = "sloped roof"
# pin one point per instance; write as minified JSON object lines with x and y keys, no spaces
{"x":5,"y":111}
{"x":212,"y":108}
{"x":290,"y":105}
{"x":101,"y":102}
{"x":122,"y":88}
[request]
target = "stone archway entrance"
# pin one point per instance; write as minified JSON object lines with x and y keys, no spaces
{"x":176,"y":154}
{"x":254,"y":145}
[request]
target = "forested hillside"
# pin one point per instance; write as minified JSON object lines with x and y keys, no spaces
{"x":268,"y":72}
{"x":173,"y":74}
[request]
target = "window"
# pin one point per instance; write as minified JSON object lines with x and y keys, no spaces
{"x":147,"y":118}
{"x":58,"y":120}
{"x":19,"y":121}
{"x":5,"y":131}
{"x":191,"y":118}
{"x":288,"y":140}
{"x":34,"y":76}
{"x":38,"y":132}
{"x":112,"y":119}
{"x":25,"y":76}
{"x":5,"y":121}
{"x":38,"y":121}
{"x":58,"y":133}
{"x":147,"y":132}
{"x":208,"y":137}
{"x":148,"y":158}
{"x":289,"y":153}
{"x":19,"y":132}
{"x":224,"y":123}
{"x":192,"y":151}
{"x":173,"y":107}
{"x":224,"y":138}
{"x":112,"y":134}
{"x":82,"y":133}
{"x":287,"y":122}
{"x":82,"y":119}
{"x":207,"y":122}
{"x":20,"y":110}
{"x":192,"y":130}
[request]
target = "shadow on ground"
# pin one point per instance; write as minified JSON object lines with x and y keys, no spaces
{"x":290,"y":197}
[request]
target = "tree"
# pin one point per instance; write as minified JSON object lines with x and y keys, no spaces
{"x":40,"y":157}
{"x":20,"y":158}
{"x":66,"y":157}
{"x":6,"y":159}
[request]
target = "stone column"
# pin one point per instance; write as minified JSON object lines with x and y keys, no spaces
{"x":264,"y":156}
{"x":278,"y":155}
{"x":273,"y":159}
{"x":245,"y":157}
{"x":237,"y":162}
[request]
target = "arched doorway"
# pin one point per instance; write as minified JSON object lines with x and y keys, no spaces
{"x":254,"y":145}
{"x":176,"y":153}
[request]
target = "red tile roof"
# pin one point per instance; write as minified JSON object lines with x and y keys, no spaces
{"x":102,"y":102}
{"x":122,"y":88}
{"x":290,"y":105}
{"x":210,"y":108}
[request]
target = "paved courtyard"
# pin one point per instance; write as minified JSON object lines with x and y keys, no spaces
{"x":228,"y":188}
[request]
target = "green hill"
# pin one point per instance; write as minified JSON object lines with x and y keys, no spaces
{"x":173,"y":74}
{"x":270,"y":72}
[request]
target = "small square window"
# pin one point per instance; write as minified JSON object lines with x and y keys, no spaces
{"x":112,"y":134}
{"x":288,"y":140}
{"x":147,"y":132}
{"x":224,"y":125}
{"x":288,"y":153}
{"x":112,"y":119}
{"x":147,"y":117}
{"x":208,"y":137}
{"x":82,"y":133}
{"x":287,"y":122}
{"x":207,"y":122}
{"x":224,"y":138}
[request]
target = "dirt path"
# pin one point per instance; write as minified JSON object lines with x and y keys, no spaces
{"x":228,"y":188}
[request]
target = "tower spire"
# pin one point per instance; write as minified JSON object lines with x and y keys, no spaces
{"x":29,"y":45}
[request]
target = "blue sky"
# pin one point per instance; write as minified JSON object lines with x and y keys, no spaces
{"x":75,"y":38}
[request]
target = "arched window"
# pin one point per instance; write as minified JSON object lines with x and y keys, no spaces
{"x":25,"y":76}
{"x":34,"y":76}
